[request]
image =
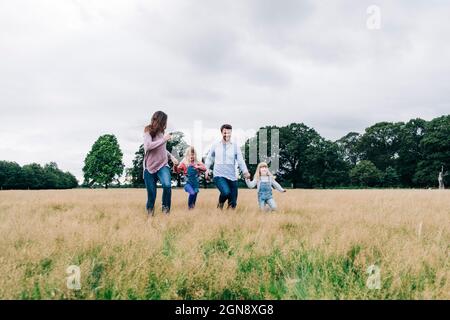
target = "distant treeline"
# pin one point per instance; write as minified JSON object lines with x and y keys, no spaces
{"x":386,"y":155}
{"x":34,"y":176}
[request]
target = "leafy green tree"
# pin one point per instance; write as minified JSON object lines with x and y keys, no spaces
{"x":348,"y":148}
{"x":137,"y":170}
{"x":33,"y":176}
{"x":202,"y":179}
{"x":70,"y":180}
{"x":380,"y":144}
{"x":325,"y":167}
{"x":390,"y":178}
{"x":103,"y":164}
{"x":177,"y":146}
{"x":54,"y":178}
{"x":409,"y":152}
{"x":10,"y":175}
{"x":253,"y":161}
{"x":57,"y":179}
{"x":435,"y":149}
{"x":296,"y":142}
{"x":365,"y":174}
{"x":305,"y":158}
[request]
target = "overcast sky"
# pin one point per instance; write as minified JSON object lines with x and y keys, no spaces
{"x":73,"y":70}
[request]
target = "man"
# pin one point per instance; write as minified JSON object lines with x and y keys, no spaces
{"x":224,"y":155}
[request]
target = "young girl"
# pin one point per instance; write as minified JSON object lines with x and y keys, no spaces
{"x":191,"y":168}
{"x":264,"y":181}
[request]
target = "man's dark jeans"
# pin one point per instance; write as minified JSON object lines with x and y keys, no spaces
{"x":228,"y":191}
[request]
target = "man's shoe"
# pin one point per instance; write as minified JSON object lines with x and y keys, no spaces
{"x":165,"y":210}
{"x":151,"y":212}
{"x":220,"y":205}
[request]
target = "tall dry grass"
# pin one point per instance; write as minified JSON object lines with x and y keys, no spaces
{"x":318,"y":245}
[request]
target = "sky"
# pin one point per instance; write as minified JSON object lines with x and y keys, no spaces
{"x":71,"y":71}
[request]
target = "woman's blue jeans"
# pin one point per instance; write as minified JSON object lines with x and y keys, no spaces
{"x":163,"y":175}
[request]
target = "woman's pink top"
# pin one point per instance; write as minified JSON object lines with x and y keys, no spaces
{"x":155,"y":153}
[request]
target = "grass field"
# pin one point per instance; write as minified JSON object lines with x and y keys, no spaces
{"x":317,"y":246}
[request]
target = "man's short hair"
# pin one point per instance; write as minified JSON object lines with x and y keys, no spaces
{"x":226,"y":126}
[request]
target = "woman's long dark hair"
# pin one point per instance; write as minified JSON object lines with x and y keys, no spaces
{"x":157,"y":124}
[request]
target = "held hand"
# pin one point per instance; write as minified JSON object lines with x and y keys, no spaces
{"x":167,"y":136}
{"x":175,"y":161}
{"x":207,"y":174}
{"x":247,"y":175}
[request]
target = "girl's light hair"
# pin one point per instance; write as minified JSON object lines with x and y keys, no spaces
{"x":187,"y":155}
{"x":258,"y":174}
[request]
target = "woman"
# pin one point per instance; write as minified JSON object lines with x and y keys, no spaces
{"x":156,"y":162}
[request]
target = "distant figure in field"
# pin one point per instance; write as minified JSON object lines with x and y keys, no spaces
{"x":441,"y":178}
{"x":156,"y":162}
{"x":191,"y":168}
{"x":225,"y":154}
{"x":264,"y":181}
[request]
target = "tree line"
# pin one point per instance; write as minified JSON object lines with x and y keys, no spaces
{"x":401,"y":154}
{"x":386,"y":155}
{"x":34,"y":176}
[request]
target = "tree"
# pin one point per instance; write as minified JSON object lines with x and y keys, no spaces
{"x":137,"y":170}
{"x":380,"y":144}
{"x":10,"y":175}
{"x":177,"y":146}
{"x":305,"y":158}
{"x":435,"y":150}
{"x":409,"y":151}
{"x":103,"y":164}
{"x":325,"y":167}
{"x":202,"y":179}
{"x":54,"y":178}
{"x":296,"y":141}
{"x":253,"y":161}
{"x":348,"y":147}
{"x":70,"y":181}
{"x":33,"y":176}
{"x":390,"y":178}
{"x":365,"y":174}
